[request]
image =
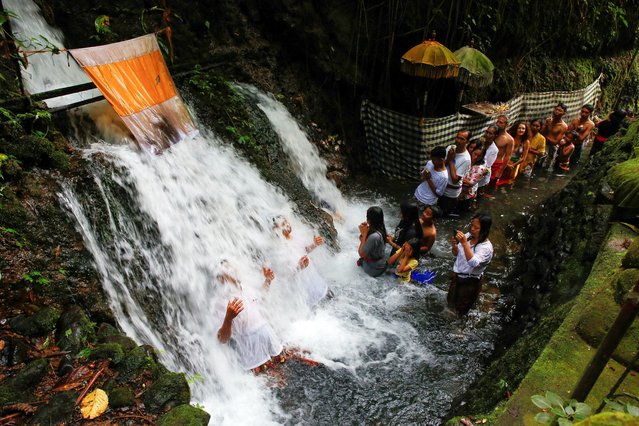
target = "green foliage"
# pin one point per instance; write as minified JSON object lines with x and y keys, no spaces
{"x":623,"y":407}
{"x":194,"y":379}
{"x":565,"y":411}
{"x":35,"y":277}
{"x":85,"y":353}
{"x":102,"y":24}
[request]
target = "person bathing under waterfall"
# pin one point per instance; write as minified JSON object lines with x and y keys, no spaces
{"x":315,"y":287}
{"x":244,"y":325}
{"x":407,"y":258}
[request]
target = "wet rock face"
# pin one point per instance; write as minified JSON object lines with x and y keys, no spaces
{"x":169,"y":391}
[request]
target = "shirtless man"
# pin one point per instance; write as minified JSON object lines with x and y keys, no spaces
{"x":553,"y":130}
{"x":505,"y":144}
{"x":583,"y":125}
{"x":428,"y":228}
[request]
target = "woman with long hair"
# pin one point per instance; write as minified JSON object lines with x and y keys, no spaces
{"x":473,"y":252}
{"x":372,"y":240}
{"x":408,"y":226}
{"x":519,"y":132}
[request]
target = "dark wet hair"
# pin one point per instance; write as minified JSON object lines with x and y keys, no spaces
{"x":537,"y":120}
{"x":618,"y":115}
{"x":415,"y":244}
{"x":563,"y":106}
{"x":438,"y":151}
{"x":485,"y":222}
{"x":589,"y":107}
{"x":574,"y":134}
{"x":410,"y":217}
{"x":375,"y":217}
{"x":495,"y":128}
{"x":437,"y":211}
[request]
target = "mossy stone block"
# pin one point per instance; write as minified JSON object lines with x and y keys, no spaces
{"x":624,"y":281}
{"x":38,"y":324}
{"x":185,"y":415}
{"x":121,"y":397}
{"x":610,"y":419}
{"x":59,"y":410}
{"x":112,"y":351}
{"x":631,"y":259}
{"x":169,"y":391}
{"x":133,"y":364}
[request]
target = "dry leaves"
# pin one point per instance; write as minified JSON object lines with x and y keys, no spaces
{"x":94,"y":404}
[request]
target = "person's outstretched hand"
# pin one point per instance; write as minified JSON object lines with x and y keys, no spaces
{"x":234,"y":308}
{"x":303,"y":263}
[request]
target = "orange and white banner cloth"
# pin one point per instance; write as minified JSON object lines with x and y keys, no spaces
{"x":135,"y":80}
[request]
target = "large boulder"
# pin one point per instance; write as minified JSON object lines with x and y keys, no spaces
{"x":169,"y":391}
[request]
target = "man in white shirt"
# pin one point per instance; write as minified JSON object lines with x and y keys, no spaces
{"x":458,"y":165}
{"x":434,"y":178}
{"x":490,"y":152}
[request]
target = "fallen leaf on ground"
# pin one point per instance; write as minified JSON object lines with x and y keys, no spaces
{"x":94,"y":404}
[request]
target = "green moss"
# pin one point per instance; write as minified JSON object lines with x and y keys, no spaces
{"x":631,"y":259}
{"x":567,"y":355}
{"x":610,"y":419}
{"x":185,"y":415}
{"x":112,"y":351}
{"x":38,"y":324}
{"x":624,"y":281}
{"x":121,"y":397}
{"x":169,"y":391}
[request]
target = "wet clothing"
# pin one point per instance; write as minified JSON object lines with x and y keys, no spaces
{"x":412,"y":264}
{"x":462,"y":165}
{"x":374,"y":262}
{"x":491,"y":155}
{"x":252,"y":337}
{"x":403,"y":232}
{"x":495,"y":170}
{"x":467,"y":276}
{"x":476,"y":174}
{"x":538,"y":143}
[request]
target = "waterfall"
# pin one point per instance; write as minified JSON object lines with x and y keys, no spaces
{"x":158,"y":227}
{"x":45,"y":71}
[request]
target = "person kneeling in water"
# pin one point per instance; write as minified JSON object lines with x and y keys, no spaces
{"x":408,"y":257}
{"x":245,"y":326}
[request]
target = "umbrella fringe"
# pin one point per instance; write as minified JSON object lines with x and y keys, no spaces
{"x":429,"y":71}
{"x":474,"y":80}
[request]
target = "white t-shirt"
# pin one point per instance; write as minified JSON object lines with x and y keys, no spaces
{"x":462,"y":166}
{"x":423,"y":192}
{"x":491,"y":155}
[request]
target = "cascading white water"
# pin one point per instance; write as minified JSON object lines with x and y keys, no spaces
{"x":158,"y":226}
{"x":46,"y":71}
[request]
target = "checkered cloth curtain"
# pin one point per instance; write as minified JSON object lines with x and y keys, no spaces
{"x":399,"y":145}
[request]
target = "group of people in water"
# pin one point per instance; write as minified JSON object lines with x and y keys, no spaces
{"x":455,"y":176}
{"x":450,"y":183}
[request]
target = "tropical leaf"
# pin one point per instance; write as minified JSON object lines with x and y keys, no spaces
{"x":554,"y":399}
{"x":541,"y":402}
{"x":582,"y":411}
{"x":543,"y":418}
{"x":94,"y":404}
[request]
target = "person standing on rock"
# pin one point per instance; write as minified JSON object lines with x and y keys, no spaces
{"x":473,"y":252}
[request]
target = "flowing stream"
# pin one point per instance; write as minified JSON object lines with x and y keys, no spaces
{"x":158,"y":226}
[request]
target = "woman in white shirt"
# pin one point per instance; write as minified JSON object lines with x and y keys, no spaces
{"x":473,"y":252}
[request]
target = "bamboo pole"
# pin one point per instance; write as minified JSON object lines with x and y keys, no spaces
{"x":627,"y":314}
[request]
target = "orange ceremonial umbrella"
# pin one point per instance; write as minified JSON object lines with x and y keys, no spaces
{"x":430,"y":59}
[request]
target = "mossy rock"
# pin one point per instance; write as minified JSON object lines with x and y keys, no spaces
{"x":112,"y":351}
{"x":75,"y":330}
{"x":105,"y":330}
{"x":135,"y":362}
{"x":121,"y":397}
{"x":185,"y":415}
{"x":624,"y":281}
{"x":610,"y":419}
{"x":624,"y":180}
{"x":596,"y":319}
{"x":169,"y":391}
{"x":59,"y":410}
{"x":125,"y":342}
{"x":30,"y":375}
{"x":37,"y":151}
{"x":631,"y":259}
{"x":38,"y":324}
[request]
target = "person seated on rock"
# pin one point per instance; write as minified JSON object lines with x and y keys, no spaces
{"x":429,"y":231}
{"x":315,"y":287}
{"x":244,"y":325}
